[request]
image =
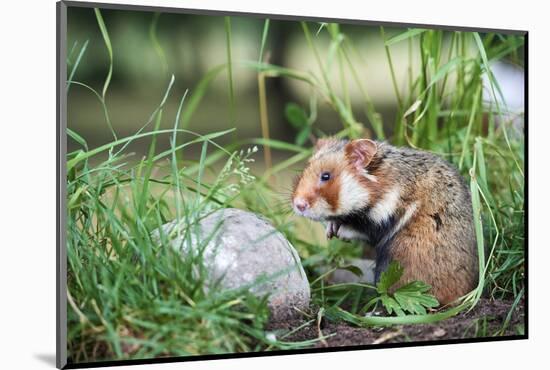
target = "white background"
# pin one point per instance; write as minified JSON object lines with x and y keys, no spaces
{"x":27,"y":180}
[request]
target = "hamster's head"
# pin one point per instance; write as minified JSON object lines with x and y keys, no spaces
{"x":335,"y":181}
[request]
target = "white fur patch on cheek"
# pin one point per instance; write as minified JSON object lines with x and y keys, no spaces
{"x":352,"y":195}
{"x":320,"y":210}
{"x":386,"y":207}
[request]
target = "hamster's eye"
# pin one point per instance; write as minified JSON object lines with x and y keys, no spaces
{"x":325,"y":176}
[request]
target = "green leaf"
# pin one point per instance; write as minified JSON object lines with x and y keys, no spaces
{"x":413,"y":298}
{"x":391,"y":305}
{"x":389,"y":277}
{"x":296,"y":116}
{"x":303,"y":135}
{"x":353,"y":269}
{"x":409,"y":298}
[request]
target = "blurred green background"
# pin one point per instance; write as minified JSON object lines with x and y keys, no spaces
{"x":192,"y":45}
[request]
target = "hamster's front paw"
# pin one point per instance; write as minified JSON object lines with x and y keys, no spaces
{"x":332,"y":229}
{"x":344,"y":232}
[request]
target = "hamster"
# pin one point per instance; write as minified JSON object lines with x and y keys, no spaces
{"x":411,"y":206}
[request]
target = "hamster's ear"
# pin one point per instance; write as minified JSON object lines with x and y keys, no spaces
{"x":320,"y":143}
{"x":360,"y":152}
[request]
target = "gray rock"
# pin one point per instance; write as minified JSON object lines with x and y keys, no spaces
{"x":246,"y":250}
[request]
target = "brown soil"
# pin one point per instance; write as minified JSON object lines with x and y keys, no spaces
{"x":485,"y":320}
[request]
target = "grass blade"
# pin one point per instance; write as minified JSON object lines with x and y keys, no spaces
{"x":404,"y":36}
{"x":230,"y":71}
{"x":264,"y":39}
{"x":156,"y":43}
{"x":107,"y":41}
{"x":76,"y":64}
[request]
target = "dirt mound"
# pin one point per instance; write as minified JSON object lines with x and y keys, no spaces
{"x":487,"y":319}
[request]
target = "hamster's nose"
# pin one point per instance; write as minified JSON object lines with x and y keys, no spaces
{"x":301,"y":204}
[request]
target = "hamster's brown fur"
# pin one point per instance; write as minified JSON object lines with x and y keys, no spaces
{"x":412,"y":206}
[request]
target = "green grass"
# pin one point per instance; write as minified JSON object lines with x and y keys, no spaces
{"x":133,"y":297}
